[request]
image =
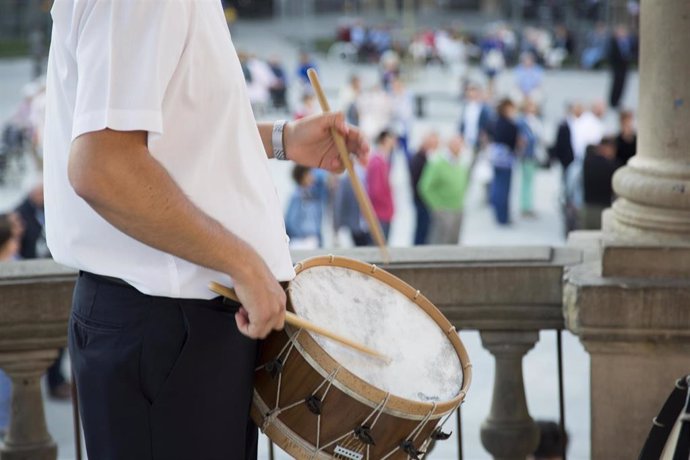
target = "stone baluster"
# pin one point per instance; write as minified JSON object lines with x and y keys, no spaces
{"x":27,"y":437}
{"x":509,"y":433}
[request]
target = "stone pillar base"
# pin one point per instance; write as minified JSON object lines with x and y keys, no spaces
{"x":629,"y":305}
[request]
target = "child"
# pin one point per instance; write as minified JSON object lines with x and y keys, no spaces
{"x":303,"y":218}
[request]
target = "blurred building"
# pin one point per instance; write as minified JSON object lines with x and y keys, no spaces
{"x":18,"y":18}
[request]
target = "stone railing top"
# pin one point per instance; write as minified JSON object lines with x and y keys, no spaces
{"x":487,"y":288}
{"x":457,"y":255}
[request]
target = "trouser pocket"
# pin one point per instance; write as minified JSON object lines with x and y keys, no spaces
{"x":163,"y":344}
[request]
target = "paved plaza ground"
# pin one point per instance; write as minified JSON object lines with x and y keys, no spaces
{"x":478,"y":230}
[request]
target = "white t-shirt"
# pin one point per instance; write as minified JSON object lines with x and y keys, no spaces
{"x":167,"y":67}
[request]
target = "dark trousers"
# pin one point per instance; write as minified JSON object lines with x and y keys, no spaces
{"x":421,"y":231}
{"x":361,"y":238}
{"x":500,"y":194}
{"x":160,"y":378}
{"x":386,"y":229}
{"x":54,"y":373}
{"x":617,"y":85}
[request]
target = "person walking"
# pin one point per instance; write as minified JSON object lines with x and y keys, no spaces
{"x":626,"y":141}
{"x":442,"y":187}
{"x":157,"y":183}
{"x":403,"y":115}
{"x":417,"y":164}
{"x":504,"y":142}
{"x":621,"y":54}
{"x":530,"y":129}
{"x":304,"y":212}
{"x":597,"y":173}
{"x":529,"y":77}
{"x":346,"y":212}
{"x":475,"y":125}
{"x":378,"y":180}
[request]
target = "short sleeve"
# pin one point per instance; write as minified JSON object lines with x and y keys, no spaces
{"x":126,"y":52}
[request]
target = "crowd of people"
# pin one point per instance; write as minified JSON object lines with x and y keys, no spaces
{"x":499,"y":140}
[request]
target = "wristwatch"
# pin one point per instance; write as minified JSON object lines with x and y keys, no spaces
{"x":277,"y":140}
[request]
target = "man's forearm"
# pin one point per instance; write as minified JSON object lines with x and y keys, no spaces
{"x":266,"y":133}
{"x":134,"y":193}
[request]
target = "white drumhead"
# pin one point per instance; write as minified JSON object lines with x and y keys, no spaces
{"x":425,"y":366}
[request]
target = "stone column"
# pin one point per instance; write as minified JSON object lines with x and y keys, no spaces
{"x":628,"y":302}
{"x":509,"y":433}
{"x":27,"y":437}
{"x":654,"y":188}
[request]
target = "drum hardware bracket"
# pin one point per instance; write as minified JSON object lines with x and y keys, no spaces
{"x":314,"y":404}
{"x":439,"y":435}
{"x":274,"y":367}
{"x":363,"y":433}
{"x":408,"y":447}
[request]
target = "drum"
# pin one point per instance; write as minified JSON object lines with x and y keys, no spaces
{"x":317,"y":399}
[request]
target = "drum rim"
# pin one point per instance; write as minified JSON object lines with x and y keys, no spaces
{"x":355,"y":386}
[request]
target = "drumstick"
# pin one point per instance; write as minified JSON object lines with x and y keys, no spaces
{"x":294,"y":320}
{"x":362,"y":197}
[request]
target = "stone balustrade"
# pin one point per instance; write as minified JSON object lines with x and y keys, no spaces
{"x":508,"y":294}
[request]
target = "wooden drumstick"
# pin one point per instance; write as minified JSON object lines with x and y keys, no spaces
{"x":294,"y":320}
{"x":362,"y":197}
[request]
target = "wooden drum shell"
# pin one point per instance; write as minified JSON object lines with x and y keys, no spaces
{"x":349,"y":400}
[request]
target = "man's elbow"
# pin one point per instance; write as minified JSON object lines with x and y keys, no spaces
{"x":83,"y":183}
{"x":98,"y":160}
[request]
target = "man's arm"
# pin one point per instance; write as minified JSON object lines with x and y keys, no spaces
{"x":114,"y":172}
{"x":266,"y":133}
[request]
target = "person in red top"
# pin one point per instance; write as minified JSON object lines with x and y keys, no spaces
{"x":378,"y":182}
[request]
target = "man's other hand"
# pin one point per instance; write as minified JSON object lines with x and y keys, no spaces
{"x":309,"y":141}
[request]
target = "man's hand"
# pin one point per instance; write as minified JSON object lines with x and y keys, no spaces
{"x":309,"y":141}
{"x":263,"y":302}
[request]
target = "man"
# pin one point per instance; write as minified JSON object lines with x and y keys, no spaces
{"x":32,"y":215}
{"x":588,"y":129}
{"x":562,"y":149}
{"x":157,"y":183}
{"x":529,"y":77}
{"x":442,"y":187}
{"x":417,"y":164}
{"x":626,"y":141}
{"x":476,"y":118}
{"x":621,"y":54}
{"x":346,"y":212}
{"x":474,"y":127}
{"x":597,"y":175}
